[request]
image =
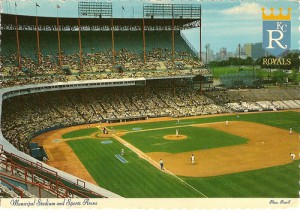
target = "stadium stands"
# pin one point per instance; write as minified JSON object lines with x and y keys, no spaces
{"x":22,"y":178}
{"x":64,"y":108}
{"x":97,"y":56}
{"x":24,"y":116}
{"x":258,"y":99}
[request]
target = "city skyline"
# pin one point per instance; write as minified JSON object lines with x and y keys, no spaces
{"x":227,"y":25}
{"x":253,"y":50}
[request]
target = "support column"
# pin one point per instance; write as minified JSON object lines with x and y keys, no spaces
{"x":173,"y":45}
{"x":38,"y":39}
{"x":144,"y":41}
{"x":58,"y":41}
{"x":18,"y":43}
{"x":112,"y":43}
{"x":80,"y":47}
{"x":200,"y":56}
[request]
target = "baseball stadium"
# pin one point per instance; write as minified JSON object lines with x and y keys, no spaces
{"x":104,"y":107}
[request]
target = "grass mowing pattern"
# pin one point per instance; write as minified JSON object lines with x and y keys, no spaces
{"x":137,"y":178}
{"x":274,"y":182}
{"x":80,"y":133}
{"x":283,"y":120}
{"x":163,"y":124}
{"x":198,"y":138}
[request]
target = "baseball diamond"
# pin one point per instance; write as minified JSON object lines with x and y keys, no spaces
{"x":255,"y":155}
{"x":98,"y":105}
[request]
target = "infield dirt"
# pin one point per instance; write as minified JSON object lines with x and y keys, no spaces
{"x":267,"y":146}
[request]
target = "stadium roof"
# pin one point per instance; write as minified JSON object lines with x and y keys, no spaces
{"x":50,"y":23}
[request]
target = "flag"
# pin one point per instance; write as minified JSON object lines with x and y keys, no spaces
{"x":36,"y":4}
{"x":57,"y":6}
{"x":123,"y":8}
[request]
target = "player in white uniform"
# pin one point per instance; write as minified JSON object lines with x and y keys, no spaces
{"x":291,"y":130}
{"x":177,"y":132}
{"x":193,"y":159}
{"x":226,"y":123}
{"x":293,"y":156}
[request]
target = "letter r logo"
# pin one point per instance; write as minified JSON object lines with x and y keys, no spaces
{"x":277,"y":40}
{"x":276,"y":36}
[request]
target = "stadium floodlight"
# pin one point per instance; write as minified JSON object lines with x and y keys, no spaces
{"x":189,"y":11}
{"x":95,"y":9}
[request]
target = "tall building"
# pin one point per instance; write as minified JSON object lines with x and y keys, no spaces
{"x":223,"y":53}
{"x":257,"y":51}
{"x":210,"y":53}
{"x":248,"y":49}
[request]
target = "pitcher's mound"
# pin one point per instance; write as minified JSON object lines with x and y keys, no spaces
{"x":174,"y":137}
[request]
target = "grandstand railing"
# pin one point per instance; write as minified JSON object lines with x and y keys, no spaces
{"x":189,"y":43}
{"x":17,"y":190}
{"x":47,"y":179}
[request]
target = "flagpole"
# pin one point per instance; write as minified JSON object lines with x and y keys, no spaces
{"x":16,"y":8}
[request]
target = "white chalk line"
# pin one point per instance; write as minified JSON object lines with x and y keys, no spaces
{"x":153,"y":162}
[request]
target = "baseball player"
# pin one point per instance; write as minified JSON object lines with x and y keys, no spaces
{"x":161,"y":163}
{"x":122,"y":152}
{"x":178,"y":121}
{"x":237,"y":117}
{"x":193,"y":159}
{"x":293,"y":156}
{"x":177,"y":132}
{"x":226,"y":123}
{"x":291,"y":130}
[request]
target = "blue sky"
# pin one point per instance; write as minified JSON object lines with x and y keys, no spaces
{"x":225,"y":23}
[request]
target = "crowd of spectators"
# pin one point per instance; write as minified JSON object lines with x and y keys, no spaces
{"x":258,"y":99}
{"x":23,"y":116}
{"x":97,"y":65}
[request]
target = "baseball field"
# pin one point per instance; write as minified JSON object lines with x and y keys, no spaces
{"x":249,"y":157}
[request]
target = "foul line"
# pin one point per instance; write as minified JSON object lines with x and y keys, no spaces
{"x":153,"y":162}
{"x":179,"y":126}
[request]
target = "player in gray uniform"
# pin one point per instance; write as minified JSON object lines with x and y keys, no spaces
{"x":161,"y":163}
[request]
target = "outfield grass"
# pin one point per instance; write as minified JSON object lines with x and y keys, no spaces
{"x":137,"y":178}
{"x":173,"y":123}
{"x":283,"y":120}
{"x":80,"y":133}
{"x":275,"y":182}
{"x":198,"y":139}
